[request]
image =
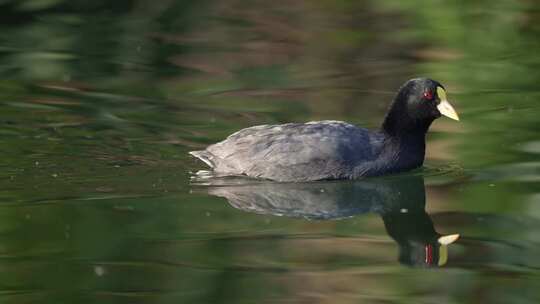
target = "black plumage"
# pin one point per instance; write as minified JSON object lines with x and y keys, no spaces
{"x":325,"y":150}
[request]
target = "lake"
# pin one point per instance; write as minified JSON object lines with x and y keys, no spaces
{"x":101,"y":102}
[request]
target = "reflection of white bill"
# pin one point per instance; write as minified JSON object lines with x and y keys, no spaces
{"x":413,"y":230}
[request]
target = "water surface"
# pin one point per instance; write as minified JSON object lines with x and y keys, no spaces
{"x":101,"y":103}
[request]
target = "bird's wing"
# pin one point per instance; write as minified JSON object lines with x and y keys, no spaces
{"x":310,"y":151}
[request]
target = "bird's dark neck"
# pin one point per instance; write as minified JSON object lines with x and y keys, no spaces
{"x":396,"y":153}
{"x":405,"y":150}
{"x":410,"y":148}
{"x":397,"y":124}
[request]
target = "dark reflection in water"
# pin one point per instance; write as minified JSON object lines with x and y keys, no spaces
{"x":399,"y":201}
{"x":101,"y":100}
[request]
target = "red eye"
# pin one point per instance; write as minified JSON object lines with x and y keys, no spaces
{"x":428,"y":95}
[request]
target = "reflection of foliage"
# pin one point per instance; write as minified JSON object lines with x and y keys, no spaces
{"x":229,"y":46}
{"x":101,"y":100}
{"x":63,"y":39}
{"x":493,"y":46}
{"x":488,"y":52}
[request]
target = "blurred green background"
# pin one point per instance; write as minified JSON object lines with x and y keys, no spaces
{"x":101,"y":101}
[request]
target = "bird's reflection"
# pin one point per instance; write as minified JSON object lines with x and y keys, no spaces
{"x":400,"y":201}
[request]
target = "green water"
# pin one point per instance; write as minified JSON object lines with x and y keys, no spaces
{"x":101,"y":101}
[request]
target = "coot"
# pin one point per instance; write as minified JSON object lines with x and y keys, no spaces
{"x":325,"y":150}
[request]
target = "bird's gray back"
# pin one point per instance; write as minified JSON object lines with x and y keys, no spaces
{"x":296,"y":151}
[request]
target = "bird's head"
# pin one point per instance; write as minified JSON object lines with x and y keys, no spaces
{"x":418,"y":102}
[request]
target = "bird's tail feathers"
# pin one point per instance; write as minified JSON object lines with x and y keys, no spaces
{"x":205,"y":156}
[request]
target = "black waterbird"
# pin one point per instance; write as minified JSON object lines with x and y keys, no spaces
{"x":325,"y":150}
